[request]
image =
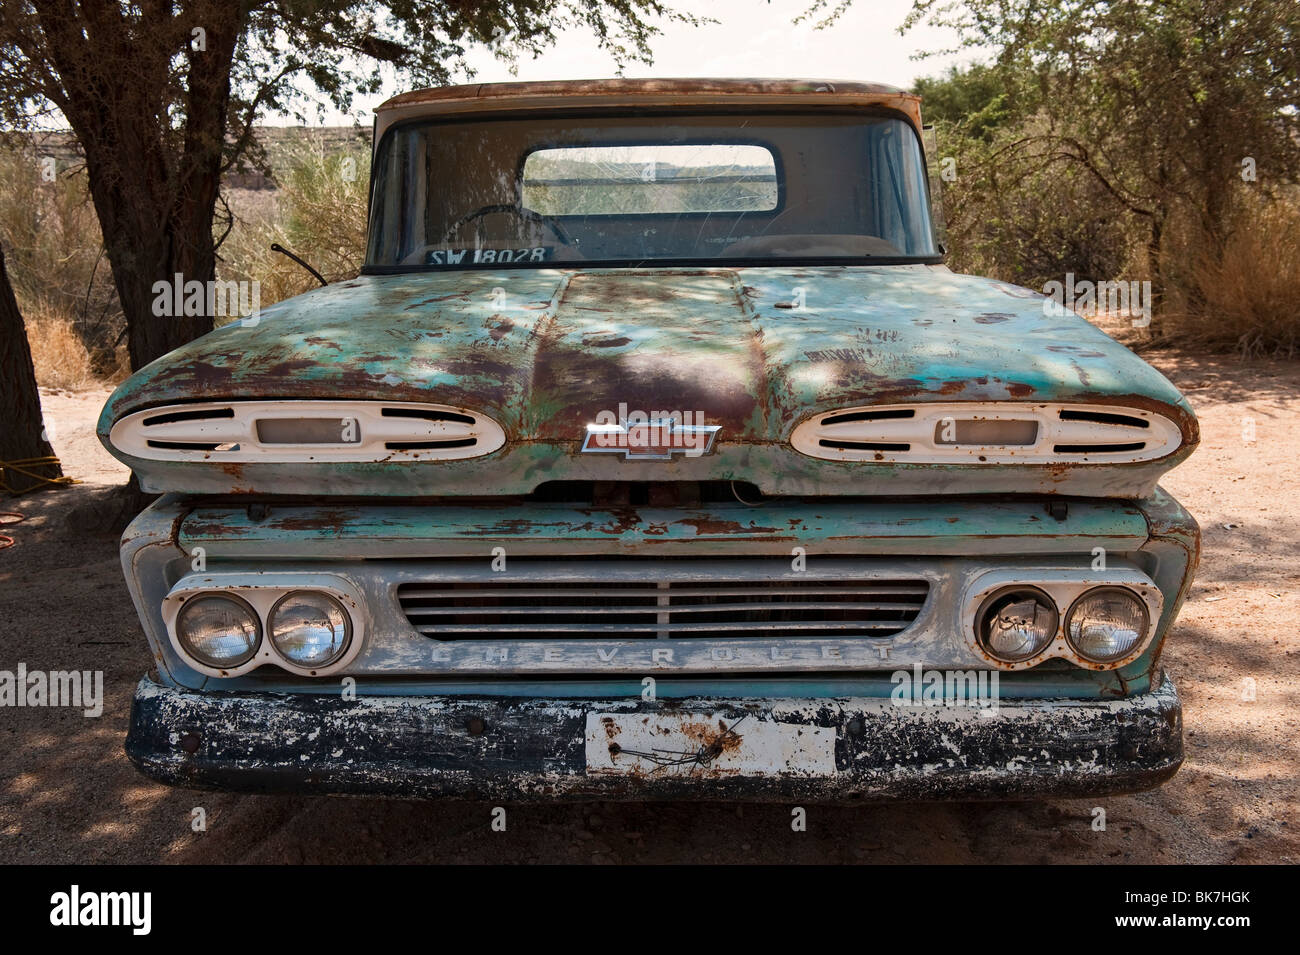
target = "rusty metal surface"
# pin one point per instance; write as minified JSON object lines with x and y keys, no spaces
{"x":961,"y":526}
{"x":615,"y":87}
{"x":1174,"y":551}
{"x":160,"y":545}
{"x":619,"y":92}
{"x":844,"y":749}
{"x":569,"y":345}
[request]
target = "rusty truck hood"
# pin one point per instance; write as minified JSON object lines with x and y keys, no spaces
{"x":544,"y":352}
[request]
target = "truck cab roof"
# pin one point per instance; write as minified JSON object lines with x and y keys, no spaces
{"x":583,"y":94}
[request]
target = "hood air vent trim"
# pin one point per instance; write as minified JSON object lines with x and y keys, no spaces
{"x":988,"y":433}
{"x":306,"y":431}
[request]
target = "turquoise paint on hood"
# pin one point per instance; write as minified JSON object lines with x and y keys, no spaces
{"x":544,"y":351}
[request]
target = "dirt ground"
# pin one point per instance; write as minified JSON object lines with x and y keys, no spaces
{"x":68,"y":794}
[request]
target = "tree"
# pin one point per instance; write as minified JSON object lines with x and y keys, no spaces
{"x":977,"y":98}
{"x":163,"y":96}
{"x":1014,"y":209}
{"x":1163,"y":104}
{"x":22,"y":435}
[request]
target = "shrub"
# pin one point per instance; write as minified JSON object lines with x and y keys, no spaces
{"x":1241,"y":295}
{"x":55,"y":255}
{"x":59,"y":354}
{"x":318,"y":212}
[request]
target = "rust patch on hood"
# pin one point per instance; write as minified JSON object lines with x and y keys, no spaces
{"x":691,"y":350}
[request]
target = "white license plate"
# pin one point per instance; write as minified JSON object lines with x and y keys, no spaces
{"x":705,"y":745}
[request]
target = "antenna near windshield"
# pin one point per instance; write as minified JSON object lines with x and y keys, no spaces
{"x":277,"y":247}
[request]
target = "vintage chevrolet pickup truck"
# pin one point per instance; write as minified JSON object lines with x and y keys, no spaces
{"x":656,"y":454}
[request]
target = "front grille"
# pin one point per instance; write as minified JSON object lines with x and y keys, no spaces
{"x":680,"y":608}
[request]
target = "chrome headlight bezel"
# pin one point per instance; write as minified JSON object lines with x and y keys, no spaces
{"x":1065,"y":587}
{"x":262,"y":592}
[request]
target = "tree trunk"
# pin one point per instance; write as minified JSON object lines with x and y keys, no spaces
{"x":156,"y":227}
{"x":22,"y":433}
{"x":179,"y":249}
{"x":154,"y":187}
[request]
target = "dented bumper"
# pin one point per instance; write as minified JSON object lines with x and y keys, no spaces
{"x":823,"y":749}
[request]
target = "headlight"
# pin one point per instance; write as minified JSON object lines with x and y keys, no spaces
{"x":219,"y":630}
{"x":1017,"y":623}
{"x":310,"y":629}
{"x":1106,"y":623}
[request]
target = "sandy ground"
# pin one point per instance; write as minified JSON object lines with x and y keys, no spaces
{"x":68,"y":794}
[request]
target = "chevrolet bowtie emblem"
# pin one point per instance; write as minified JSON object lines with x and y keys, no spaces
{"x":655,"y":440}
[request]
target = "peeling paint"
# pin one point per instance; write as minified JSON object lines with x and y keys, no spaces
{"x":421,"y":747}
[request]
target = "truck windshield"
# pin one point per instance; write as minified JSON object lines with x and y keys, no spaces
{"x":636,"y":189}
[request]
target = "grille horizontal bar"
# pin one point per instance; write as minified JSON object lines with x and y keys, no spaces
{"x":410,"y":592}
{"x":675,"y":608}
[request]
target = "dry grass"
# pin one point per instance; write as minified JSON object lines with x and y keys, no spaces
{"x":53,"y":252}
{"x":1244,"y":299}
{"x":61,"y":358}
{"x":318,"y":212}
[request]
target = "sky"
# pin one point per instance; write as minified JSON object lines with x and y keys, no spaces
{"x":752,"y":39}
